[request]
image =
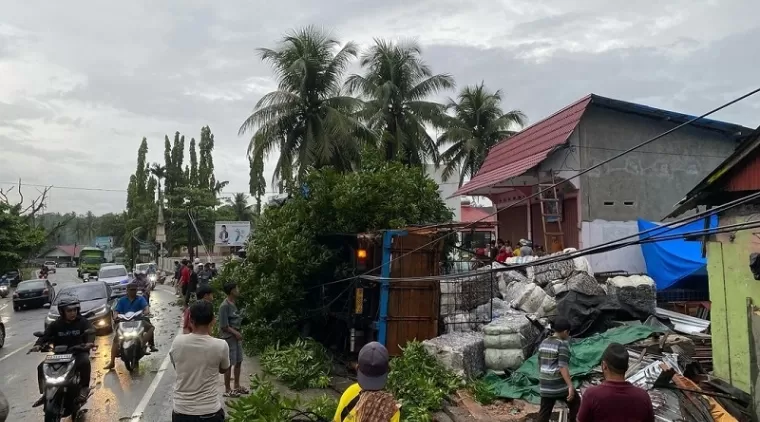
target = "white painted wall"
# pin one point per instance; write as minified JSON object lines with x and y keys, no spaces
{"x":446,"y":189}
{"x":628,"y":259}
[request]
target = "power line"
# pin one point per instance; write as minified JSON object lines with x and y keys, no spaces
{"x":579,"y":174}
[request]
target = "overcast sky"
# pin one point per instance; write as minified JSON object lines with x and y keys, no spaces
{"x":82,"y":82}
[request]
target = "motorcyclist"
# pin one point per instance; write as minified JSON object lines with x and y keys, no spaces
{"x":132,"y":303}
{"x":69,"y":329}
{"x":44,"y":271}
{"x":144,"y":286}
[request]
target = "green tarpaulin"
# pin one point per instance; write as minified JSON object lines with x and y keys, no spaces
{"x":585,"y":354}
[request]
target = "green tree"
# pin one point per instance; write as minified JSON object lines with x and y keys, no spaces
{"x":396,"y":86}
{"x":308,"y":119}
{"x":478,"y":123}
{"x":240,"y":208}
{"x":286,"y":256}
{"x":19,"y":239}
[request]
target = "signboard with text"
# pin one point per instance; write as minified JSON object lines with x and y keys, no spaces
{"x":232,"y":233}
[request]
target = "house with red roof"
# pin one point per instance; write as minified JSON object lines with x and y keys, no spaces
{"x":63,"y":252}
{"x":605,"y":203}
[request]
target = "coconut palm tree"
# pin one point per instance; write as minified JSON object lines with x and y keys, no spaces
{"x":307,"y":118}
{"x":396,"y":86}
{"x":239,"y":206}
{"x":478,"y":123}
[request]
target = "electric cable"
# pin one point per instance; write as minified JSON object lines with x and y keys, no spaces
{"x":581,"y":173}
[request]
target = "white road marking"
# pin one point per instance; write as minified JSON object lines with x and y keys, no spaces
{"x":137,"y":414}
{"x":3,"y":307}
{"x":27,"y":346}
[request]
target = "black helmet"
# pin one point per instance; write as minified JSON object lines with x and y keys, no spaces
{"x":68,"y":303}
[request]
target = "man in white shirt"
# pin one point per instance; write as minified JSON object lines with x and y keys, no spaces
{"x":198,"y":359}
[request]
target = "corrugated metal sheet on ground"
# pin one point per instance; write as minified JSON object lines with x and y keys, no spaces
{"x":684,"y":323}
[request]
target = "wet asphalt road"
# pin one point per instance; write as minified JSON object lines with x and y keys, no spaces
{"x":117,"y":395}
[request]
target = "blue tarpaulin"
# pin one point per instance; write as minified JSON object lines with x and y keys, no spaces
{"x":672,"y":260}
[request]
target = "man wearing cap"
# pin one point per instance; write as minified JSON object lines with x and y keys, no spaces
{"x":367,"y":400}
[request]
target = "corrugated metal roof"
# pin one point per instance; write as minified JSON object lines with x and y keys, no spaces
{"x":525,"y":150}
{"x":684,"y":323}
{"x":515,"y":155}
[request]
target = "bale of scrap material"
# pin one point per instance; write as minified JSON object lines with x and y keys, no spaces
{"x":460,"y":322}
{"x":491,"y":310}
{"x":581,"y":282}
{"x":462,"y":353}
{"x":477,"y":289}
{"x":450,"y":291}
{"x":542,"y":274}
{"x":534,"y":300}
{"x":637,"y":291}
{"x":505,"y":278}
{"x":506,"y":341}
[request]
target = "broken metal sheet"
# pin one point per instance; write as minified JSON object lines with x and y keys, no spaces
{"x":665,"y":403}
{"x":684,"y":323}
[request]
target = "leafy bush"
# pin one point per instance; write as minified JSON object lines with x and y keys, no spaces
{"x":481,"y":391}
{"x":266,"y":404}
{"x":302,"y":364}
{"x":420,"y":383}
{"x":285,"y":259}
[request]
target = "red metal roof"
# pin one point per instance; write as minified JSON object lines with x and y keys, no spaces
{"x":525,"y":150}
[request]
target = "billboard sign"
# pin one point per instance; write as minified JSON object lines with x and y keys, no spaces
{"x":232,"y":233}
{"x":104,"y":242}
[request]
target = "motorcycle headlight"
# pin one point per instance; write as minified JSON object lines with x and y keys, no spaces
{"x":57,"y":374}
{"x":129,"y":334}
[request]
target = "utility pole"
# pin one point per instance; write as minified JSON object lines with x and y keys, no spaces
{"x":189,"y":235}
{"x":160,"y":229}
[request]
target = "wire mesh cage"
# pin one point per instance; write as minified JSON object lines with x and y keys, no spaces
{"x":467,"y":297}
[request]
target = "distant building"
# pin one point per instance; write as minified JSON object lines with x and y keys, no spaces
{"x":603,"y":204}
{"x":446,"y":189}
{"x":62,"y":252}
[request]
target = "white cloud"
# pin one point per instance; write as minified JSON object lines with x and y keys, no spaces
{"x":81,"y":82}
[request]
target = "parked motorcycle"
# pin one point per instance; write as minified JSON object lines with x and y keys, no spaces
{"x":61,"y":382}
{"x":130,"y":330}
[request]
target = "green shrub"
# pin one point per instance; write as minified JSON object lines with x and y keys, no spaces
{"x":302,"y":364}
{"x":266,"y":404}
{"x":482,"y":391}
{"x":420,"y":383}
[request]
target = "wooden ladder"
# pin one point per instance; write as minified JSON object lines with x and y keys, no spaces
{"x":551,"y":217}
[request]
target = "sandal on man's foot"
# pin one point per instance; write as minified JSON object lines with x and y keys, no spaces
{"x":110,"y":366}
{"x":232,"y":394}
{"x":242,"y":391}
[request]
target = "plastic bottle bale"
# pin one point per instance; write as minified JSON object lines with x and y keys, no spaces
{"x":477,"y":290}
{"x":462,"y":353}
{"x":502,"y":359}
{"x":489,"y":311}
{"x":460,"y":322}
{"x":509,"y":276}
{"x":637,"y":291}
{"x":543,"y":274}
{"x":504,"y":341}
{"x":450,"y":291}
{"x":511,"y":323}
{"x":514,"y":291}
{"x":531,"y":299}
{"x":582,"y":282}
{"x":548,"y":307}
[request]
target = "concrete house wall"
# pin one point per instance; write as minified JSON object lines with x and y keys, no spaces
{"x":643,"y":184}
{"x":651,"y":179}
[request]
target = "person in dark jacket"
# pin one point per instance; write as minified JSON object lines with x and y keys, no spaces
{"x":70,"y":329}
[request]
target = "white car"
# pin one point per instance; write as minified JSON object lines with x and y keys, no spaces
{"x":116,"y":277}
{"x":51,"y":266}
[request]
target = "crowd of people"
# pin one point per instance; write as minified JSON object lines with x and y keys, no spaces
{"x":199,"y":358}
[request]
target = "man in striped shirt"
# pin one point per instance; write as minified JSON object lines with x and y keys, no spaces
{"x":554,"y":368}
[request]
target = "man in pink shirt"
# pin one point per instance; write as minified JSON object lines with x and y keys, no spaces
{"x":615,"y":400}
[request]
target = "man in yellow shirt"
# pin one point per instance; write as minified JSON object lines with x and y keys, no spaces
{"x":367,"y":401}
